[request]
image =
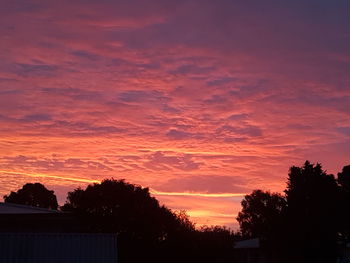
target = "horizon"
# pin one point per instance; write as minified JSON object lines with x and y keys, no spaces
{"x":202,"y":102}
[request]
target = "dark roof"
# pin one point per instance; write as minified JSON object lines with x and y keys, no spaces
{"x":58,"y":248}
{"x":248,"y":243}
{"x":9,"y":208}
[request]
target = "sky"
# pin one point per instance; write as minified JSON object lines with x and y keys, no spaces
{"x":201,"y":101}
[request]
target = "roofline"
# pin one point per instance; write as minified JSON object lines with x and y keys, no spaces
{"x":47,"y":210}
{"x":59,"y":234}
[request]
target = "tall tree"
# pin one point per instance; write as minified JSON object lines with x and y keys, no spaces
{"x":33,"y":194}
{"x":344,"y":183}
{"x":261,"y":214}
{"x":312,"y":199}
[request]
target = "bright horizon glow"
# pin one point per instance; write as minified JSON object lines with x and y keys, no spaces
{"x":155,"y":192}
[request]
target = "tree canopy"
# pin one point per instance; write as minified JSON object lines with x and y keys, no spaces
{"x":260,"y":213}
{"x":33,"y":194}
{"x":303,"y":225}
{"x":312,"y":197}
{"x":344,"y":204}
{"x":143,"y":225}
{"x":313,"y":200}
{"x":119,"y":207}
{"x":344,"y":178}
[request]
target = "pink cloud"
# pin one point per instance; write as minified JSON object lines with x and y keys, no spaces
{"x":183,"y":96}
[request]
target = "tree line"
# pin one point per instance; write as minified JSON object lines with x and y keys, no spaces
{"x":305,"y":224}
{"x":147,"y":231}
{"x":308,"y":223}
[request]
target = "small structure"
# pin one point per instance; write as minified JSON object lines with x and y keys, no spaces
{"x":253,"y":243}
{"x":249,"y":251}
{"x":57,"y":248}
{"x":343,"y":252}
{"x":23,"y":218}
{"x":13,"y":209}
{"x":36,"y":235}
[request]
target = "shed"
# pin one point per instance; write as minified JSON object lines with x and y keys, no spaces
{"x":23,"y":218}
{"x":249,"y":251}
{"x":57,"y":248}
{"x":37,"y":235}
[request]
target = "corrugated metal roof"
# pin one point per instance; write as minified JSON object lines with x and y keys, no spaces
{"x":9,"y":208}
{"x":58,"y":248}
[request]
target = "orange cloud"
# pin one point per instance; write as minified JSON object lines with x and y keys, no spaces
{"x":155,"y":192}
{"x":101,"y":89}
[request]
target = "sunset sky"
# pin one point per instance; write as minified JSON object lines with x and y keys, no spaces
{"x":200,"y":100}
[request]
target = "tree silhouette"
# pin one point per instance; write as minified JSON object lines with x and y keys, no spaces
{"x":344,"y":183}
{"x":33,"y":194}
{"x":261,"y":213}
{"x":312,"y":199}
{"x":117,"y":206}
{"x":344,"y":179}
{"x":146,"y":229}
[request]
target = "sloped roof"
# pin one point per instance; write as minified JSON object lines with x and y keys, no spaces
{"x":58,"y":248}
{"x":9,"y":208}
